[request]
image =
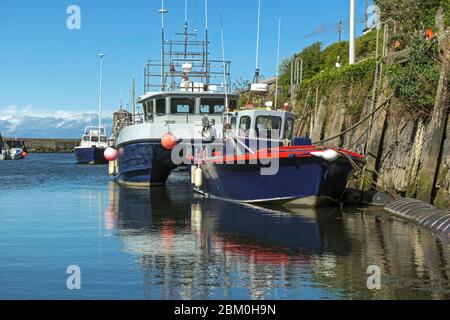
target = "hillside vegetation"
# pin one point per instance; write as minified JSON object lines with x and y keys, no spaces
{"x":413,"y":81}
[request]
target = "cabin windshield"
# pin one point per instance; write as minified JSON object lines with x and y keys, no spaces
{"x":233,"y":123}
{"x":289,"y":129}
{"x":183,"y":105}
{"x":244,"y":126}
{"x":212,"y":106}
{"x":160,"y":106}
{"x":268,"y":127}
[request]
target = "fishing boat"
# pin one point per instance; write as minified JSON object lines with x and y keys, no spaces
{"x":261,"y":162}
{"x":94,"y":141}
{"x":12,"y":149}
{"x":181,"y":89}
{"x":92,"y":146}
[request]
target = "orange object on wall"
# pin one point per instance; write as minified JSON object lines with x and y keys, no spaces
{"x":429,"y":34}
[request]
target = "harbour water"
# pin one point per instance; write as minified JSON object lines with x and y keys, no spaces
{"x":168,"y":243}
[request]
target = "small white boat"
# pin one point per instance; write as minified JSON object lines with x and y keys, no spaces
{"x":92,"y":146}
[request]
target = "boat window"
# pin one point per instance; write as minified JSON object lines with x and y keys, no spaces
{"x":103,"y":139}
{"x":94,"y":139}
{"x":86,"y":138}
{"x":265,"y":125}
{"x":185,"y":105}
{"x":244,"y":126}
{"x":161,"y":106}
{"x":233,"y":122}
{"x":148,"y":107}
{"x":212,"y":106}
{"x":289,"y":128}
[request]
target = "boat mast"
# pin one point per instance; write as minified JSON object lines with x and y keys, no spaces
{"x":224,"y":64}
{"x":206,"y":43}
{"x":133,"y":104}
{"x":100,"y":111}
{"x":278,"y":62}
{"x":257,"y":78}
{"x":185,"y":28}
{"x":162,"y":11}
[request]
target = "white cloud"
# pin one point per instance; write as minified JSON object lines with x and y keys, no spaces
{"x":26,"y":123}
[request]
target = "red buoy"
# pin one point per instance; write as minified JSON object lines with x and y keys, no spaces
{"x":111,"y":154}
{"x":24,"y":154}
{"x":287,"y":107}
{"x":169,"y":141}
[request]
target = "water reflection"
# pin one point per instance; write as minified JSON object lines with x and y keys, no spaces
{"x":194,"y":248}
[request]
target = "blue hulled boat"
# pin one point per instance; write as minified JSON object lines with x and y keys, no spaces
{"x":94,"y":140}
{"x":181,"y":89}
{"x":92,"y":146}
{"x":284,"y":170}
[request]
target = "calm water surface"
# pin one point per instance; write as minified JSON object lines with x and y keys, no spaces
{"x":168,"y":243}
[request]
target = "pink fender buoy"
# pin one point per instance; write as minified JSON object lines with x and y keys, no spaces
{"x":111,"y":154}
{"x":24,"y":154}
{"x":169,"y":141}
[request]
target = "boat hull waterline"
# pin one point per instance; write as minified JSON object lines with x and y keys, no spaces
{"x":91,"y":155}
{"x":302,"y":180}
{"x":144,"y":164}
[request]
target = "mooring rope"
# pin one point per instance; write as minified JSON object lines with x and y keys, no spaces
{"x":357,"y":124}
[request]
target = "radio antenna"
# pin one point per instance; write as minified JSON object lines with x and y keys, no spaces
{"x":206,"y":43}
{"x":162,"y":11}
{"x":224,"y":64}
{"x":278,"y":63}
{"x":185,"y":27}
{"x":257,"y":44}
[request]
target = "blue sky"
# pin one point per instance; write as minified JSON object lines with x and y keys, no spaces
{"x":48,"y":71}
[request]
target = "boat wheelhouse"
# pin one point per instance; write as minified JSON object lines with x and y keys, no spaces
{"x":261,"y":124}
{"x":92,"y":146}
{"x":183,"y":90}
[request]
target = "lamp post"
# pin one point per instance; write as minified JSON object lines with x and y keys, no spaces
{"x":352,"y":33}
{"x":100,"y":107}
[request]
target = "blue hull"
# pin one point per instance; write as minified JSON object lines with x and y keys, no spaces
{"x":91,"y":155}
{"x":309,"y":182}
{"x":144,"y":164}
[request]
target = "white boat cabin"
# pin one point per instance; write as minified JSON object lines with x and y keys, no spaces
{"x":182,"y":113}
{"x":185,"y":107}
{"x":94,"y":136}
{"x":261,"y":124}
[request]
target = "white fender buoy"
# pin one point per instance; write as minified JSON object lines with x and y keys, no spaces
{"x":111,"y":154}
{"x":328,"y":155}
{"x":198,"y":177}
{"x":193,"y":169}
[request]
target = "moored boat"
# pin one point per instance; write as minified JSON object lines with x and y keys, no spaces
{"x":94,"y":140}
{"x":286,"y":170}
{"x":12,"y":149}
{"x":180,"y":90}
{"x":92,"y":146}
